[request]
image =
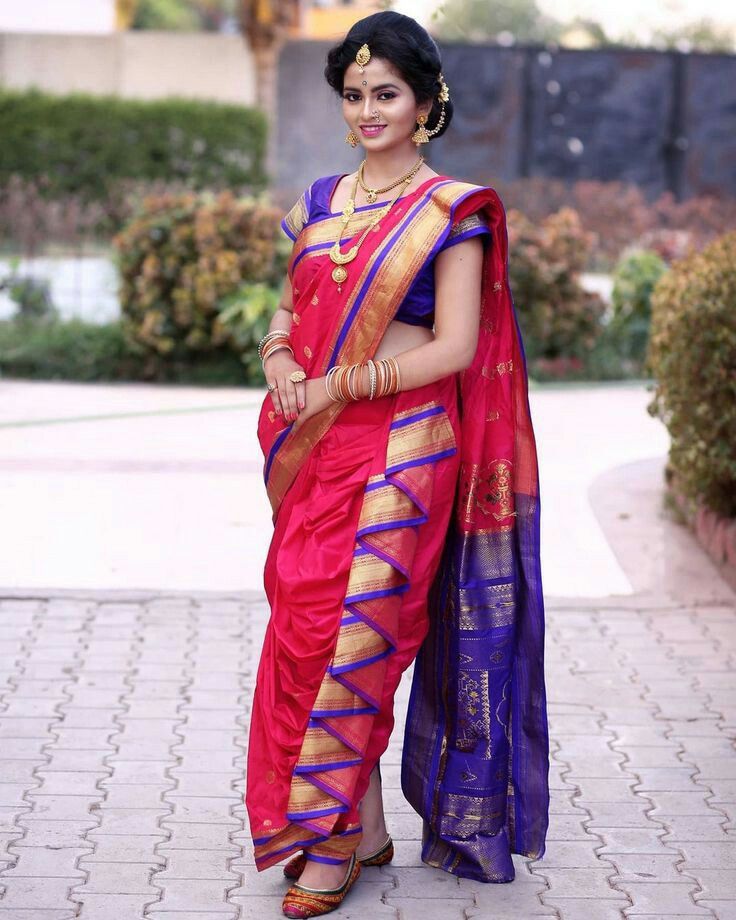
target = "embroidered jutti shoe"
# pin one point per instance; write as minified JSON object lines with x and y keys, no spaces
{"x":301,"y":902}
{"x":383,"y":855}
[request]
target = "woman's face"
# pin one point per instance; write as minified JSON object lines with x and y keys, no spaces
{"x":388,"y":94}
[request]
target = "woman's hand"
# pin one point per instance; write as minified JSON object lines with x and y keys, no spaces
{"x":289,"y":397}
{"x":317,"y":400}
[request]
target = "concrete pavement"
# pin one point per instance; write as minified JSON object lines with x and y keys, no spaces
{"x":144,"y":486}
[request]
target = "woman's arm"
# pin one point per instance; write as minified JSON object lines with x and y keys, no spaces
{"x":458,"y":275}
{"x":288,"y":397}
{"x":283,"y":314}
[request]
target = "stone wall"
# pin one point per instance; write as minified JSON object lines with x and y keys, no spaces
{"x":660,"y":120}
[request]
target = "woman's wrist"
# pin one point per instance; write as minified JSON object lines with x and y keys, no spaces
{"x":372,"y":380}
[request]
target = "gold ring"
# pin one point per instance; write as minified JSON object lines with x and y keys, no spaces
{"x":271,"y":387}
{"x":297,"y":376}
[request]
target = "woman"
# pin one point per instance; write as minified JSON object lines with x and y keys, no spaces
{"x":401,"y":468}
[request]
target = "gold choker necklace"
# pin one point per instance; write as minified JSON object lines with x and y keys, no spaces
{"x":373,"y":193}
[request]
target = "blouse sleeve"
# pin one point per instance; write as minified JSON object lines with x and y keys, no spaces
{"x":472,"y":225}
{"x":298,"y":215}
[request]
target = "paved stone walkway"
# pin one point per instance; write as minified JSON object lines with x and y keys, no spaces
{"x":123,"y":722}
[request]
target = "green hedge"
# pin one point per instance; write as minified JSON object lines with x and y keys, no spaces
{"x":76,"y":350}
{"x":83,"y":144}
{"x":692,"y":352}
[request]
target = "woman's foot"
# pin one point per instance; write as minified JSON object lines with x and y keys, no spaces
{"x":372,"y":817}
{"x":302,"y":901}
{"x":323,"y":875}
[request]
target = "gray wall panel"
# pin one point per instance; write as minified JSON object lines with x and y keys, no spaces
{"x":660,"y":120}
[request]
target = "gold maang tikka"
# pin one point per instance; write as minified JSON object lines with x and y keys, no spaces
{"x":363,"y":56}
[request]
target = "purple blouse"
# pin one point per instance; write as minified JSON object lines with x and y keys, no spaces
{"x":417,"y":307}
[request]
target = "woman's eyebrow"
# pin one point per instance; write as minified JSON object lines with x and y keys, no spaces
{"x":380,"y":86}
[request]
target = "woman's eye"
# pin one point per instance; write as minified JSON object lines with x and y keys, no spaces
{"x":352,"y":97}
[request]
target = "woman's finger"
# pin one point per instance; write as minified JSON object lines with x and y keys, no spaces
{"x":301,"y":394}
{"x":288,"y":398}
{"x":281,"y":404}
{"x":274,"y":394}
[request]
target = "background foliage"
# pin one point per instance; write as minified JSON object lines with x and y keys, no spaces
{"x":180,"y":258}
{"x":80,"y":145}
{"x":559,"y":320}
{"x":692,"y":353}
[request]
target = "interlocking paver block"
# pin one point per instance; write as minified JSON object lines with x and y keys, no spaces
{"x":194,"y":894}
{"x":61,"y":782}
{"x":130,"y":820}
{"x":113,"y":906}
{"x":427,"y":882}
{"x":27,"y":893}
{"x":118,"y":848}
{"x":664,"y":898}
{"x":200,"y":809}
{"x":634,"y":840}
{"x":117,"y":878}
{"x":708,"y":855}
{"x":436,"y":909}
{"x":203,"y":785}
{"x":673,"y":804}
{"x":666,"y":779}
{"x":207,"y":762}
{"x":139,"y":772}
{"x":59,"y":807}
{"x":199,"y":864}
{"x":45,"y":862}
{"x":715,"y":884}
{"x":580,"y":883}
{"x":202,"y":836}
{"x":588,"y":909}
{"x":40,"y":833}
{"x":572,"y":854}
{"x":207,"y":915}
{"x":680,"y":828}
{"x":650,"y":867}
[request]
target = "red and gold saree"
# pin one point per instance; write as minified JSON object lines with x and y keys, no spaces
{"x":404,"y":525}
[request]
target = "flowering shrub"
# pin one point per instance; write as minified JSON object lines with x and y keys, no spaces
{"x":560,"y":321}
{"x":692,"y":353}
{"x":180,"y":257}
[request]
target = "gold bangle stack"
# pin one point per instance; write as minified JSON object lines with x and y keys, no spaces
{"x":343,"y":382}
{"x":273,"y":341}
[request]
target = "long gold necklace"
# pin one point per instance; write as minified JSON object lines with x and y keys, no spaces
{"x":373,"y":193}
{"x":339,"y":272}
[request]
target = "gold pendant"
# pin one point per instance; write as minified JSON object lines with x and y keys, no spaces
{"x":339,"y":274}
{"x":372,"y":196}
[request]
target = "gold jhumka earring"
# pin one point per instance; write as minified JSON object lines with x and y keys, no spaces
{"x":422,"y":135}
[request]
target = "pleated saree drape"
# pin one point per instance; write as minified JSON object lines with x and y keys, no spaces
{"x":403,"y":525}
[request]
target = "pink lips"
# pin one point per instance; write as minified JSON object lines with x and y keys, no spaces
{"x":372,"y":130}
